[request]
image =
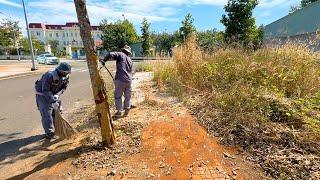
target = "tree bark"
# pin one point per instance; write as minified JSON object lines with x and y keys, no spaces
{"x":98,"y":85}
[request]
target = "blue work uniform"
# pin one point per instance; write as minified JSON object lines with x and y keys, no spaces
{"x":49,"y":85}
{"x":123,"y":79}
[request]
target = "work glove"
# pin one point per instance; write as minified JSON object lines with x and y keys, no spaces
{"x":55,"y":105}
{"x":56,"y":98}
{"x":102,"y":63}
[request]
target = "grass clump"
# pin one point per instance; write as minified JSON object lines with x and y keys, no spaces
{"x":144,"y":67}
{"x":265,"y":101}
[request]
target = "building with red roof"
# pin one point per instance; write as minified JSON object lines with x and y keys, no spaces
{"x":67,"y":36}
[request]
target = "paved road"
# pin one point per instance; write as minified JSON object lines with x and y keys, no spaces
{"x":19,"y":117}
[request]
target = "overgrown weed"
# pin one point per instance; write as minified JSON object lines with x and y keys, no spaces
{"x":258,"y":100}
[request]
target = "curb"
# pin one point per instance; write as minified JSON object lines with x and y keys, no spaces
{"x":19,"y":75}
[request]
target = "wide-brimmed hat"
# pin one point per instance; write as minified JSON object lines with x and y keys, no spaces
{"x":127,"y":49}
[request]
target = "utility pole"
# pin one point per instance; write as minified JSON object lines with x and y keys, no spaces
{"x":97,"y":83}
{"x":33,"y":68}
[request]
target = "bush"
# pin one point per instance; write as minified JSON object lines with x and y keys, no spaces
{"x":269,"y":98}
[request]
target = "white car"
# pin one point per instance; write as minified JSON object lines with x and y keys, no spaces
{"x":47,"y":59}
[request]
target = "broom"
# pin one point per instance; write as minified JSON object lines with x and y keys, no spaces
{"x":63,"y":129}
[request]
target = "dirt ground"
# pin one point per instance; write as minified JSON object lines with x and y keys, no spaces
{"x":160,"y":139}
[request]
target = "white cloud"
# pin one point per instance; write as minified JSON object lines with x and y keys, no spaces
{"x":9,"y":3}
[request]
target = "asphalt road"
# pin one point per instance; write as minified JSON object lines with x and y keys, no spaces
{"x":19,"y":117}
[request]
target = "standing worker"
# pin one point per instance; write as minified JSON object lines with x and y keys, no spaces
{"x":123,"y":79}
{"x":48,"y":90}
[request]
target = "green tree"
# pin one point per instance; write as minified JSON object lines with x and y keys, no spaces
{"x":164,"y":41}
{"x":116,"y":35}
{"x":207,"y":39}
{"x":305,"y":3}
{"x":146,"y":38}
{"x":239,"y":22}
{"x":9,"y":34}
{"x":38,"y":46}
{"x":187,"y":28}
{"x":54,"y":46}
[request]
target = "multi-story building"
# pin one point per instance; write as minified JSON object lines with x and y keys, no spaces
{"x":67,"y":35}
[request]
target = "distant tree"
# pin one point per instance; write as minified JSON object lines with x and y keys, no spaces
{"x":165,"y":41}
{"x":305,"y":3}
{"x":37,"y":45}
{"x":146,"y":37}
{"x":239,"y":22}
{"x":116,"y":35}
{"x":257,"y":37}
{"x":187,"y":27}
{"x":207,"y":39}
{"x":9,"y":34}
{"x":54,"y":46}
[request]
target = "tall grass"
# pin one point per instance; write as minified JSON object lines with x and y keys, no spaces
{"x":274,"y":89}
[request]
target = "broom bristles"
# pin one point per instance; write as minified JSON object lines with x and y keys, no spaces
{"x":63,"y":129}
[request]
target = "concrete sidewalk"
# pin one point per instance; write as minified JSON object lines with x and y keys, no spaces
{"x":10,"y":68}
{"x":13,"y":70}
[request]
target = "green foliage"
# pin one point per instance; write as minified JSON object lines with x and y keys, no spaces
{"x":9,"y":34}
{"x":118,"y":34}
{"x":146,"y":37}
{"x":164,"y":41}
{"x":54,"y":46}
{"x":38,"y":46}
{"x":239,"y":22}
{"x":187,"y":28}
{"x":209,"y":40}
{"x":144,"y":67}
{"x":305,"y":3}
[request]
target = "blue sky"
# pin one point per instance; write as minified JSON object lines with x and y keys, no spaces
{"x":164,"y":15}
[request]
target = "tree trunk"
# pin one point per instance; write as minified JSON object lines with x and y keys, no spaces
{"x":98,"y":85}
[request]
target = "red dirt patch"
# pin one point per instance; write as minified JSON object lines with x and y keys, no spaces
{"x":178,"y":148}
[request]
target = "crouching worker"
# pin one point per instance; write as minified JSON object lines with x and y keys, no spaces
{"x":48,"y":90}
{"x":123,"y":79}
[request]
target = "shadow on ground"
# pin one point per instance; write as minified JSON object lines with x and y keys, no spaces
{"x":53,"y":159}
{"x":12,"y":151}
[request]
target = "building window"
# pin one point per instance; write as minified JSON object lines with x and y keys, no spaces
{"x":63,"y":35}
{"x":75,"y":34}
{"x":32,"y":33}
{"x":50,"y":35}
{"x":64,"y":43}
{"x":67,"y":34}
{"x":38,"y":33}
{"x":57,"y":34}
{"x":71,"y":34}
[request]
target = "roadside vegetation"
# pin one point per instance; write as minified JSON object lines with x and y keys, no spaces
{"x":266,"y":101}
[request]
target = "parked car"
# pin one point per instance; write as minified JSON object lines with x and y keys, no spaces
{"x":47,"y":59}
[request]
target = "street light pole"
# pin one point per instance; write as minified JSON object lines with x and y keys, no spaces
{"x":33,"y":68}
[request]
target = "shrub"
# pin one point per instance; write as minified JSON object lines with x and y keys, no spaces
{"x":269,"y":98}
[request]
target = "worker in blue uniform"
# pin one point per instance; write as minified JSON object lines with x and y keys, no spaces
{"x":48,"y":90}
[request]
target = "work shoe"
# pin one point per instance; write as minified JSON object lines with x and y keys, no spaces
{"x":118,"y":114}
{"x":51,"y":136}
{"x":126,"y":112}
